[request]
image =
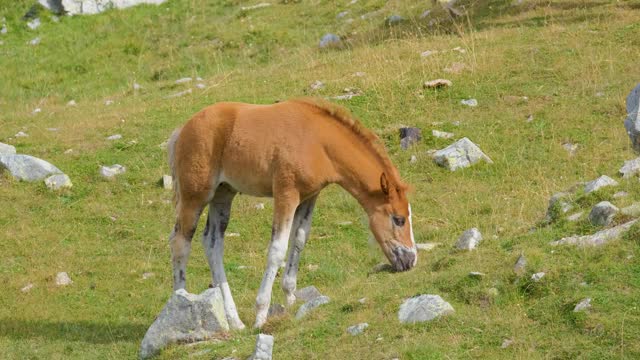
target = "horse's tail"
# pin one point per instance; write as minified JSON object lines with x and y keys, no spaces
{"x":171,"y":150}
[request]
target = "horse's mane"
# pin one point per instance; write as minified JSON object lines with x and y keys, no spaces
{"x":344,"y":117}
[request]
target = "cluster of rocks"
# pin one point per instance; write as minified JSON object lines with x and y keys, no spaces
{"x":29,"y":168}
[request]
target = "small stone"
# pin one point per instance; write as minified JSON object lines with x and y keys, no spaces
{"x":313,"y":267}
{"x":600,"y":238}
{"x":307,"y":294}
{"x":201,"y":86}
{"x":437,"y":84}
{"x":359,"y":74}
{"x":27,"y":288}
{"x":537,"y":276}
{"x":357,"y":329}
{"x":259,"y":206}
{"x":183,"y":80}
{"x":559,"y":201}
{"x":3,"y":30}
{"x":6,"y":149}
{"x":68,"y":151}
{"x":425,"y":14}
{"x":108,"y":102}
{"x":114,"y":137}
{"x":461,"y":154}
{"x":34,"y":24}
{"x":571,"y":148}
{"x":459,"y":49}
{"x":362,"y":300}
{"x":583,"y":305}
{"x":630,"y":168}
{"x":469,"y":240}
{"x":147,"y":275}
{"x":620,"y":194}
{"x":253,"y":7}
{"x":428,"y":53}
{"x":111,"y":171}
{"x":310,"y":305}
{"x":34,"y":41}
{"x":529,"y":118}
{"x":423,"y":308}
{"x":493,"y":292}
{"x":575,"y":217}
{"x":232,"y":234}
{"x":413,"y":159}
{"x":633,"y":210}
{"x":72,"y":103}
{"x":167,"y":182}
{"x":317,"y":85}
{"x":136,"y":86}
{"x":394,"y":20}
{"x":179,"y":94}
{"x":442,"y":134}
{"x":330,"y":41}
{"x":599,"y":183}
{"x":602,"y":213}
{"x":27,"y":168}
{"x":476,"y":274}
{"x":63,"y":279}
{"x":342,"y":14}
{"x":344,"y":223}
{"x":264,"y":348}
{"x":506,"y":343}
{"x":57,"y":182}
{"x":427,"y":246}
{"x":409,"y":136}
{"x":469,"y":102}
{"x":276,"y":310}
{"x":21,"y":134}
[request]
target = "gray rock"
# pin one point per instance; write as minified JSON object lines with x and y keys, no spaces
{"x":22,"y":133}
{"x":632,"y":122}
{"x":89,"y":7}
{"x":259,"y":206}
{"x":633,"y":210}
{"x":602,"y":213}
{"x":428,"y":53}
{"x":63,"y":279}
{"x":538,"y":276}
{"x":520,"y":265}
{"x":201,"y":86}
{"x":114,"y":137}
{"x":427,"y":246}
{"x":409,"y":136}
{"x":583,"y":305}
{"x":110,"y":172}
{"x":72,"y":103}
{"x":599,"y":183}
{"x":413,"y":159}
{"x":179,"y":94}
{"x":264,"y":347}
{"x":6,"y":149}
{"x":329,"y":41}
{"x":571,"y":148}
{"x":469,"y":102}
{"x":167,"y":182}
{"x":276,"y":310}
{"x":620,"y":194}
{"x":461,"y":154}
{"x":506,"y":343}
{"x":469,"y":239}
{"x":307,"y":294}
{"x":394,"y":20}
{"x":423,"y":308}
{"x":184,"y":80}
{"x":316,"y":85}
{"x":185,"y":318}
{"x":600,"y":238}
{"x":34,"y":24}
{"x":310,"y":305}
{"x":57,"y":182}
{"x":575,"y":217}
{"x":35,"y":41}
{"x":253,"y":7}
{"x":27,"y":168}
{"x":27,"y":288}
{"x":561,"y":201}
{"x":357,"y":329}
{"x":630,"y":168}
{"x":442,"y":134}
{"x":3,"y":30}
{"x":476,"y":274}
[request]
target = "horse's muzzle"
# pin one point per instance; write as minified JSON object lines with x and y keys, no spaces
{"x":405,"y":258}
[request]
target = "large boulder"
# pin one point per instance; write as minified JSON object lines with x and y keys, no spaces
{"x":423,"y":308}
{"x":186,"y":318}
{"x":89,"y":7}
{"x":6,"y":149}
{"x":27,"y":168}
{"x":632,"y":122}
{"x":461,"y":154}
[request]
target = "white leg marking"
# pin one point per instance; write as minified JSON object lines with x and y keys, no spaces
{"x":415,"y":251}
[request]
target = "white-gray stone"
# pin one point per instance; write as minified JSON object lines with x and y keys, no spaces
{"x":253,"y":7}
{"x":179,"y":94}
{"x":469,"y":239}
{"x":561,"y":200}
{"x":59,"y":181}
{"x":469,"y":102}
{"x":602,"y":213}
{"x":184,"y":80}
{"x":63,"y":279}
{"x":600,"y":238}
{"x":72,"y":103}
{"x":620,"y":194}
{"x":575,"y":217}
{"x":108,"y":102}
{"x":442,"y":134}
{"x":632,"y":210}
{"x":307,"y":294}
{"x":599,"y":183}
{"x":571,"y":148}
{"x":34,"y":24}
{"x":167,"y":182}
{"x":506,"y":343}
{"x":21,"y":134}
{"x":35,"y":41}
{"x":423,"y":308}
{"x":186,"y":318}
{"x":114,"y":137}
{"x":259,"y":206}
{"x":27,"y":168}
{"x":6,"y":149}
{"x":437,"y":84}
{"x":583,"y":305}
{"x":520,"y":265}
{"x":136,"y":86}
{"x":357,"y":329}
{"x":89,"y":7}
{"x":630,"y":168}
{"x":330,"y":40}
{"x":264,"y":347}
{"x":27,"y":288}
{"x":461,"y":154}
{"x":476,"y":274}
{"x":632,"y":122}
{"x":201,"y":86}
{"x":427,"y":246}
{"x":111,"y":171}
{"x":310,"y":305}
{"x":538,"y":276}
{"x":316,"y":85}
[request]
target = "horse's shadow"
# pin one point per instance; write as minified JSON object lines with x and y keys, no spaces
{"x":85,"y":331}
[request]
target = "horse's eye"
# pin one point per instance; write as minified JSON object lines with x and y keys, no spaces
{"x":398,"y":220}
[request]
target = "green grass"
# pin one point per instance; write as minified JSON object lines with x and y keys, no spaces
{"x":106,"y":234}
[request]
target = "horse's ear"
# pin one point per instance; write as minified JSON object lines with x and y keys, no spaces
{"x":384,"y":184}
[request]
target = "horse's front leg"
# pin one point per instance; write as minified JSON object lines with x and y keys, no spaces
{"x":285,"y":204}
{"x":298,"y":238}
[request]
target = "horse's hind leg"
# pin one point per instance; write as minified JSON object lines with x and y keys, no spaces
{"x":297,"y":240}
{"x":213,"y":243}
{"x":180,"y":239}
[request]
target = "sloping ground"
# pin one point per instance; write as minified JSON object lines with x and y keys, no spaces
{"x":574,"y":61}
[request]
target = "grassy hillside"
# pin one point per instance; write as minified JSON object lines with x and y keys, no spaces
{"x":574,"y":61}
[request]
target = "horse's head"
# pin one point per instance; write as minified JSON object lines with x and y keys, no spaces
{"x":390,"y":222}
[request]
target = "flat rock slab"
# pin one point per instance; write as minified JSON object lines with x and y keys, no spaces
{"x":6,"y":149}
{"x":632,"y":122}
{"x":264,"y":348}
{"x":57,"y":182}
{"x":186,"y":318}
{"x":602,"y":213}
{"x":583,"y":305}
{"x":307,"y":294}
{"x":423,"y":308}
{"x":63,"y":279}
{"x":27,"y":168}
{"x":461,"y":154}
{"x":629,"y":169}
{"x":600,"y":238}
{"x":599,"y":183}
{"x":110,"y":172}
{"x":310,"y":305}
{"x":469,"y":239}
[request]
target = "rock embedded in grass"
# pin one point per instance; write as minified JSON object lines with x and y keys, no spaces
{"x":630,"y":168}
{"x":599,"y":183}
{"x":583,"y":305}
{"x":602,"y":213}
{"x":469,"y":102}
{"x":27,"y":288}
{"x":310,"y":305}
{"x":22,"y":133}
{"x":442,"y":134}
{"x":437,"y":84}
{"x":632,"y":122}
{"x":575,"y":217}
{"x":330,"y":41}
{"x":461,"y":154}
{"x":6,"y":149}
{"x":308,"y":293}
{"x":27,"y":168}
{"x":600,"y":238}
{"x":186,"y":318}
{"x":394,"y":19}
{"x":264,"y":348}
{"x":469,"y":239}
{"x":57,"y":182}
{"x":114,"y":137}
{"x":109,"y":172}
{"x":167,"y":182}
{"x":538,"y":276}
{"x":423,"y":308}
{"x":90,"y":7}
{"x":316,"y":85}
{"x":520,"y":265}
{"x":427,"y":246}
{"x":632,"y":210}
{"x":409,"y":136}
{"x":184,"y":80}
{"x":357,"y":329}
{"x":63,"y":279}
